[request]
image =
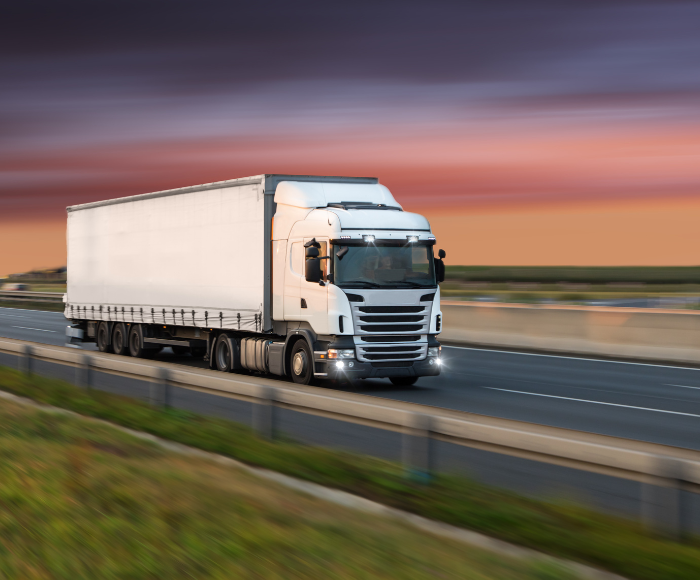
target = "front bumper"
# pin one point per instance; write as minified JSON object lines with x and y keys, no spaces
{"x":427,"y":367}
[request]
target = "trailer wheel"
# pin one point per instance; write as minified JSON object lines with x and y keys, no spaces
{"x":103,"y":342}
{"x":120,"y":342}
{"x":226,"y":354}
{"x":136,"y":347}
{"x":301,"y":363}
{"x":403,"y":381}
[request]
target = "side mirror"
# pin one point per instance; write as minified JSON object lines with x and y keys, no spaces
{"x":313,"y":265}
{"x":440,"y":266}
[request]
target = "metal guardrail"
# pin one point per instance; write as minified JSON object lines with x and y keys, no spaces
{"x":22,"y":295}
{"x":665,"y":470}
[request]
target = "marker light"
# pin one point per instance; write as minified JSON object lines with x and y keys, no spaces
{"x":412,"y":239}
{"x":340,"y":364}
{"x":345,"y":237}
{"x":368,"y":239}
{"x":341,"y":353}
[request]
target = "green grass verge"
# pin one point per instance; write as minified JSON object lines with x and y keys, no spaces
{"x":84,"y":500}
{"x":568,"y":531}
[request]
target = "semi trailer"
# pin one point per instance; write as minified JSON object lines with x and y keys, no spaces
{"x":308,"y":277}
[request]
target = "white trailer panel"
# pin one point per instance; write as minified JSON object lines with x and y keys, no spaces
{"x":193,"y":257}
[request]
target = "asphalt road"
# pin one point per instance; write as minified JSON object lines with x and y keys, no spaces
{"x":639,"y":401}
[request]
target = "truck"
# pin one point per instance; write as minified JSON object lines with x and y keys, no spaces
{"x":309,"y":277}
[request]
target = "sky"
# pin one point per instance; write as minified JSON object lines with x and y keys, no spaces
{"x":529,"y":133}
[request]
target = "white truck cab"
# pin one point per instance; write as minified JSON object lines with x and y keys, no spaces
{"x":359,"y":273}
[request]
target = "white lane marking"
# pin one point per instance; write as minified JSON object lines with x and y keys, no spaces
{"x":682,"y":386}
{"x":13,"y":316}
{"x":38,"y":329}
{"x":619,"y":362}
{"x":595,"y":402}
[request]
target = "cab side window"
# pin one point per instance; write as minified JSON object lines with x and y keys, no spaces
{"x":297,"y":258}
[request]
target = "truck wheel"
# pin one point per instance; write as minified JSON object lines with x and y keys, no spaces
{"x":103,"y":343}
{"x":136,"y":341}
{"x":301,"y":363}
{"x":226,"y":354}
{"x":120,"y":342}
{"x":403,"y":381}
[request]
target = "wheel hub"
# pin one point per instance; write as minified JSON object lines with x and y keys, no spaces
{"x":299,"y":363}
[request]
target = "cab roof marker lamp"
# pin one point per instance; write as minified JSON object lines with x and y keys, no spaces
{"x":431,"y":238}
{"x":368,"y":238}
{"x":412,"y":239}
{"x":345,"y":237}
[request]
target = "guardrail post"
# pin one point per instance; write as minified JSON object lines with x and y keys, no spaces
{"x":662,"y":505}
{"x":160,"y":388}
{"x":264,"y":412}
{"x":25,"y":362}
{"x":416,"y":447}
{"x":83,"y":372}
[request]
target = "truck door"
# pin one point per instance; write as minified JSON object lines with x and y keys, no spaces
{"x":293,"y":278}
{"x":315,"y":296}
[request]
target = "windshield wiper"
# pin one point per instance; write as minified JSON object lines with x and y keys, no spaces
{"x":412,"y":284}
{"x":366,"y":284}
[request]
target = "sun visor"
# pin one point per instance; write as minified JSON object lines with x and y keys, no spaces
{"x":314,"y":194}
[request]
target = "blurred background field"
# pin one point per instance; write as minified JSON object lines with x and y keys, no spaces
{"x":662,"y":287}
{"x":635,"y":286}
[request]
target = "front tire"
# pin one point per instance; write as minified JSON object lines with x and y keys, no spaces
{"x":301,"y":363}
{"x":403,"y":381}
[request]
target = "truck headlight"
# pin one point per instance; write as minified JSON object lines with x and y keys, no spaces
{"x":434,"y":351}
{"x":341,"y":353}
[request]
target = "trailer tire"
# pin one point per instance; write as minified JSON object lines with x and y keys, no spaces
{"x":136,"y":347}
{"x":104,"y":344}
{"x":301,"y":363}
{"x":120,"y":339}
{"x":226,"y":354}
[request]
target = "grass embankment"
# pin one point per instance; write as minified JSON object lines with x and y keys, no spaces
{"x":563,"y":530}
{"x":83,"y":500}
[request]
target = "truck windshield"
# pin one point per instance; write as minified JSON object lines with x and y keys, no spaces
{"x":383,"y":266}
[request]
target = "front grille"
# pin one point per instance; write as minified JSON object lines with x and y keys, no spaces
{"x":392,"y":352}
{"x":390,"y":309}
{"x":389,"y":338}
{"x":390,"y":348}
{"x":391,"y":318}
{"x":391,"y":327}
{"x":392,"y":356}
